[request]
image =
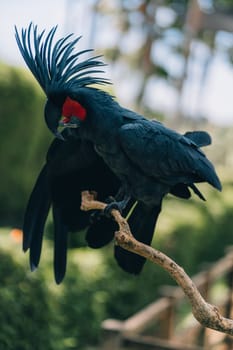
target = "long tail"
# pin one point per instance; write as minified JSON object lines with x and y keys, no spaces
{"x":35,"y":217}
{"x":142,"y":223}
{"x":60,"y":244}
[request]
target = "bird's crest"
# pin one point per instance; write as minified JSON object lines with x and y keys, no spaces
{"x":56,"y":65}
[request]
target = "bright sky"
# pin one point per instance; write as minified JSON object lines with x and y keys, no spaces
{"x":14,"y":12}
{"x":215,"y":101}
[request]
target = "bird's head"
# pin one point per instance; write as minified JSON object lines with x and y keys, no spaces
{"x":69,"y":114}
{"x":59,"y":71}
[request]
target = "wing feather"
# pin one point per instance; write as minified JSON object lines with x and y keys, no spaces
{"x":167,"y":155}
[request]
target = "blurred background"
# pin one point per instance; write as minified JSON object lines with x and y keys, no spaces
{"x":170,"y":60}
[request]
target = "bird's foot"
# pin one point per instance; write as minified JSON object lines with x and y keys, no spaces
{"x":112,"y":203}
{"x":97,"y":215}
{"x":117,"y":205}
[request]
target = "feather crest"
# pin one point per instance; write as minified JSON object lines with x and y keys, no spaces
{"x":56,"y":65}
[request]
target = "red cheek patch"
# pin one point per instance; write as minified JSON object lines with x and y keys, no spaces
{"x":72,"y":108}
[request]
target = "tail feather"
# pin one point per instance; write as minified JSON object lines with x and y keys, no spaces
{"x":197,"y":192}
{"x":142,"y":223}
{"x":181,"y":190}
{"x":101,"y":232}
{"x":35,"y":216}
{"x":60,"y":245}
{"x":35,"y":250}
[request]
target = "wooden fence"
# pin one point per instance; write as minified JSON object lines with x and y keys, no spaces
{"x":168,"y":324}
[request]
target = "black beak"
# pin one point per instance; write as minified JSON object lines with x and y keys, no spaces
{"x":59,"y":136}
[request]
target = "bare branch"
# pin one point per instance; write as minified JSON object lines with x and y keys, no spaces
{"x":208,"y":315}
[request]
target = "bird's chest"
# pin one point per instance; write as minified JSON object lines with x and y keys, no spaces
{"x":113,"y":157}
{"x":105,"y":138}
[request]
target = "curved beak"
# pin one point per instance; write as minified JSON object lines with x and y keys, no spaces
{"x":59,"y":136}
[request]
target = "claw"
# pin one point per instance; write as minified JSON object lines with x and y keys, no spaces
{"x":114,"y":205}
{"x":118,"y":205}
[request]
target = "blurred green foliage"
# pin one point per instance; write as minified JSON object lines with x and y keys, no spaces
{"x":24,"y":140}
{"x":26,"y":314}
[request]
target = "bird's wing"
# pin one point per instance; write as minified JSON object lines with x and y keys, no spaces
{"x":72,"y":166}
{"x":164,"y":154}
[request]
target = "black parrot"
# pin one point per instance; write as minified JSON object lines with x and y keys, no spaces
{"x":143,"y":159}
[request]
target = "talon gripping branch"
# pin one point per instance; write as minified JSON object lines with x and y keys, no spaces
{"x":103,"y":147}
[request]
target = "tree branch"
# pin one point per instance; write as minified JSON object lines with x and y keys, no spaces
{"x":208,"y":315}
